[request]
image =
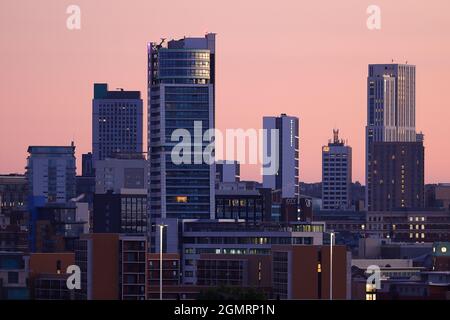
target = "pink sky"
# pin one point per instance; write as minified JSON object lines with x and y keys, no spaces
{"x":303,"y":58}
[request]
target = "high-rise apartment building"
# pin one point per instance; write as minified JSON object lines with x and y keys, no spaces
{"x":181,"y":82}
{"x":396,"y":172}
{"x":51,"y":176}
{"x":117,"y":122}
{"x":51,"y":173}
{"x":336,"y":174}
{"x":286,"y":178}
{"x":391,"y":108}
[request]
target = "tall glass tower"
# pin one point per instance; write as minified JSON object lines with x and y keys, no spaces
{"x":181,"y":79}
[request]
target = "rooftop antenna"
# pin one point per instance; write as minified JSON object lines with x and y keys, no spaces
{"x":161,"y":43}
{"x":336,"y":135}
{"x":392,"y":60}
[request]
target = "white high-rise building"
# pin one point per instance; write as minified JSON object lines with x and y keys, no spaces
{"x":286,"y":178}
{"x":336,"y":174}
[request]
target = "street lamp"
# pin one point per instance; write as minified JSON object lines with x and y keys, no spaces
{"x":161,"y":230}
{"x":331,"y":264}
{"x":332,"y":238}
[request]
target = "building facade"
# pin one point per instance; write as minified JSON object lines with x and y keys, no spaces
{"x":51,"y":173}
{"x":336,"y":174}
{"x":122,"y":171}
{"x":391,"y":108}
{"x":238,"y":238}
{"x":250,"y":205}
{"x":51,"y":177}
{"x":122,"y":212}
{"x":228,"y":171}
{"x":281,"y":142}
{"x":396,"y":176}
{"x":181,"y":91}
{"x":303,"y":272}
{"x":117,"y":122}
{"x":410,"y":225}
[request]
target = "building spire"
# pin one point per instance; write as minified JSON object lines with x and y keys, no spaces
{"x":335,"y":135}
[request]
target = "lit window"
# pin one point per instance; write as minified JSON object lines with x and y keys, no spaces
{"x":181,"y":199}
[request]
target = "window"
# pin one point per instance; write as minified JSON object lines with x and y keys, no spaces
{"x":181,"y":199}
{"x":13,"y":277}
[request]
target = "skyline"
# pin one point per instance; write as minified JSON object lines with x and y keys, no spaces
{"x":241,"y":101}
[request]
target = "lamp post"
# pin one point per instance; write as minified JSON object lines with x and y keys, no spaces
{"x":332,"y":238}
{"x":331,"y":264}
{"x":161,"y":230}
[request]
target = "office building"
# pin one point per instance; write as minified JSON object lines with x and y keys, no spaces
{"x":123,"y":171}
{"x":13,"y":192}
{"x":48,"y":277}
{"x":441,"y":256}
{"x":303,"y":272}
{"x":237,"y":238}
{"x":85,"y":189}
{"x":14,"y":269}
{"x":437,"y":195}
{"x":396,"y":173}
{"x":113,"y":266}
{"x":391,"y":108}
{"x":336,"y":174}
{"x":231,"y":270}
{"x":285,"y":151}
{"x":250,"y":205}
{"x":133,"y":267}
{"x":227,"y":171}
{"x":181,"y":84}
{"x":51,"y":173}
{"x":57,"y":226}
{"x":409,"y":225}
{"x":87,"y":165}
{"x":97,"y":255}
{"x":13,"y":236}
{"x":13,"y":213}
{"x":170,"y":274}
{"x":122,"y":212}
{"x":51,"y":177}
{"x":117,"y":122}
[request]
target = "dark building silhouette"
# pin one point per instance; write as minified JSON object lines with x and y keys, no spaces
{"x":251,"y":205}
{"x":124,"y":212}
{"x":396,"y":173}
{"x":87,"y":165}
